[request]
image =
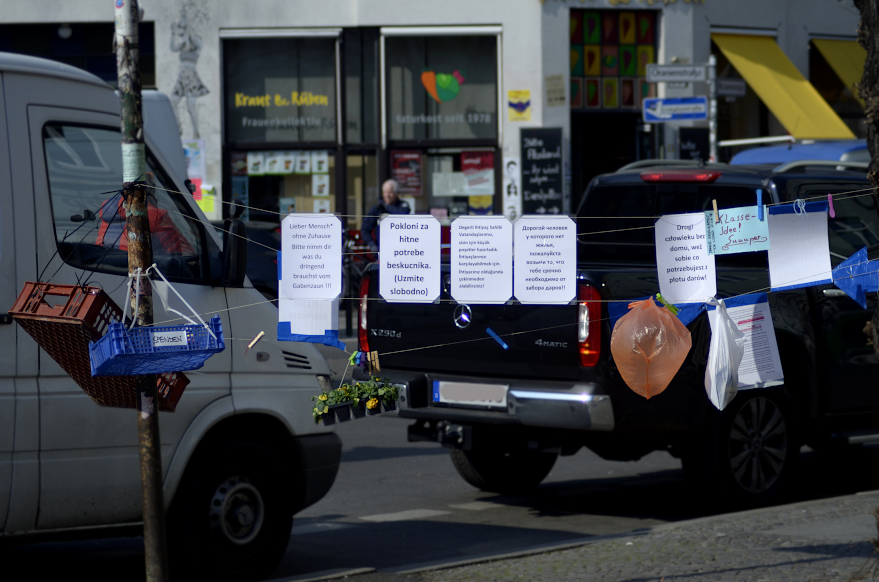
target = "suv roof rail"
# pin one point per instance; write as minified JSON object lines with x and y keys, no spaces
{"x":657,"y":162}
{"x":786,"y":167}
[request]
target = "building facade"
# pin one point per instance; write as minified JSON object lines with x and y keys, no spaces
{"x":479,"y":106}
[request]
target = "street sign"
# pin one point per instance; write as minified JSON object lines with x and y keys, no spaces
{"x":665,"y":73}
{"x":731,"y":88}
{"x":673,"y":109}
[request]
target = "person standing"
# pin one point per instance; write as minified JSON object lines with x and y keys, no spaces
{"x":390,"y":204}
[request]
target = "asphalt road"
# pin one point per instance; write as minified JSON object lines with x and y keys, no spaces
{"x":398,"y":505}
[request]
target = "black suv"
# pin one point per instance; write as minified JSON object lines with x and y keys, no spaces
{"x":559,"y":387}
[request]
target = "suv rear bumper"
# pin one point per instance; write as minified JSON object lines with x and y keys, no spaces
{"x":549,"y":404}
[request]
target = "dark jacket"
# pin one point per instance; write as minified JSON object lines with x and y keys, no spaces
{"x":370,"y":221}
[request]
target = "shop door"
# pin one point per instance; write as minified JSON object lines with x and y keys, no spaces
{"x":602,"y":142}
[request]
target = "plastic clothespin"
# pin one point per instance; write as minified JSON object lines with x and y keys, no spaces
{"x":830,"y":206}
{"x":674,"y":310}
{"x":760,"y":204}
{"x":716,"y":216}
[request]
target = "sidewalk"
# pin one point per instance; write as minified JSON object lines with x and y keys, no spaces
{"x":816,"y":540}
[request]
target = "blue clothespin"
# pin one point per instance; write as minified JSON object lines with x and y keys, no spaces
{"x":760,"y":204}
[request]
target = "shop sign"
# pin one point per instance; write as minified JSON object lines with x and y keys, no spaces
{"x":542,"y":186}
{"x":442,"y":87}
{"x":279,"y":90}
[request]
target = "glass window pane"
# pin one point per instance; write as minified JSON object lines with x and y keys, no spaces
{"x":279,"y":90}
{"x":442,"y":87}
{"x":83,"y":165}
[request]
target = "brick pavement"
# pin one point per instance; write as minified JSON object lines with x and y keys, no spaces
{"x":817,"y":540}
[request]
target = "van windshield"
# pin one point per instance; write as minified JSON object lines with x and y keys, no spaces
{"x":84,"y":166}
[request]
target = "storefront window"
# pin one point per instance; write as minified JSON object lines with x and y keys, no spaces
{"x":442,"y":87}
{"x":274,"y":183}
{"x":360,"y":85}
{"x":280,"y":90}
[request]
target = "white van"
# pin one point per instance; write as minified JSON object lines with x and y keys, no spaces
{"x":241,"y":454}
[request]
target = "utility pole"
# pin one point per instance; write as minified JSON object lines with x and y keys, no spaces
{"x":712,"y":108}
{"x":140,"y":257}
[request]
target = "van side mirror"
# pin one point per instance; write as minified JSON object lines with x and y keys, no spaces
{"x":234,"y":252}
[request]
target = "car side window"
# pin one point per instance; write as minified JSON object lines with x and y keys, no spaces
{"x":84,"y":166}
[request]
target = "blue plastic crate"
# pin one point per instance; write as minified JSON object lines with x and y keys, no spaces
{"x":134,"y":352}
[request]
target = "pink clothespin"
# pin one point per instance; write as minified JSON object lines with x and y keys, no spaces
{"x":830,"y":205}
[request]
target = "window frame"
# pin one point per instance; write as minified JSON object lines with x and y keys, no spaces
{"x":161,"y":177}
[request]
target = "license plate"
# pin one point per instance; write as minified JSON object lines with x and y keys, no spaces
{"x":470,"y":394}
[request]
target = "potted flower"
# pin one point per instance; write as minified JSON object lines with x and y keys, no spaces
{"x":332,"y":405}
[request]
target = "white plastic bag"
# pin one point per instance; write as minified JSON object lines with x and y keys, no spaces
{"x":724,"y":356}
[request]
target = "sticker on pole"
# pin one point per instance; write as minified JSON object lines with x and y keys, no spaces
{"x":545,"y":252}
{"x":482,"y":259}
{"x":311,"y":256}
{"x":409,"y":267}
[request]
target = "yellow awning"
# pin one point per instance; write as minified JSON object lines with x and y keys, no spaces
{"x":778,"y":83}
{"x":846,"y":58}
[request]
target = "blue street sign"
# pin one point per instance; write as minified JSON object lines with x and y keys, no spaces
{"x":675,"y":108}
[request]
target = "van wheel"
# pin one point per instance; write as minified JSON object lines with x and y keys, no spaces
{"x":232,"y":515}
{"x":751,"y":450}
{"x":496,"y":470}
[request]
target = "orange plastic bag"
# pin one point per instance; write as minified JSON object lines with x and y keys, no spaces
{"x":649,"y":345}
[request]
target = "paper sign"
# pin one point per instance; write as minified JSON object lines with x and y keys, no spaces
{"x":164,"y":339}
{"x":303,"y":163}
{"x":317,"y":322}
{"x":545,"y":254}
{"x":322,"y":205}
{"x":800,"y":252}
{"x":409,"y":267}
{"x":761,"y":365}
{"x":320,"y":162}
{"x":286,"y":206}
{"x":311,"y":256}
{"x":255,"y":164}
{"x":478,"y":169}
{"x":320,"y":184}
{"x":288,"y":162}
{"x":686,"y":270}
{"x":519,"y":105}
{"x":482,"y":259}
{"x":274,"y":162}
{"x":739,"y":231}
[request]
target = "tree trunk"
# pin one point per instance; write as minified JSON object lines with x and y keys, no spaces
{"x":868,"y":89}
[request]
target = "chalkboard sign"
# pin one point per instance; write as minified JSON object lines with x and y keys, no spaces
{"x":542,"y":176}
{"x":694,"y":143}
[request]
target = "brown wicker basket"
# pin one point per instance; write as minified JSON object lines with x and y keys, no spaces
{"x":63,"y":319}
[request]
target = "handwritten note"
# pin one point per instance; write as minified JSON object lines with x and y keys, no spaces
{"x":738,"y":231}
{"x":686,"y":270}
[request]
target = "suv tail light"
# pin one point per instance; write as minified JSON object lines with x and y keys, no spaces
{"x":362,"y":338}
{"x":681,"y":175}
{"x":589,"y":325}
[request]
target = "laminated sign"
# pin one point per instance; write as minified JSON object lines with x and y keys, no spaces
{"x":409,"y":268}
{"x":311,"y":257}
{"x":482,"y":259}
{"x":545,"y":252}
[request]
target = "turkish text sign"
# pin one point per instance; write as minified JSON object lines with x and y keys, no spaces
{"x":482,"y":259}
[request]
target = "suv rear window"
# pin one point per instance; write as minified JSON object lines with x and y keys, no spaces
{"x":622,"y":217}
